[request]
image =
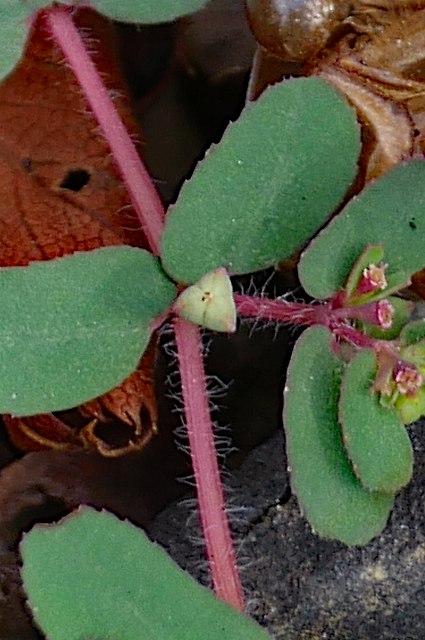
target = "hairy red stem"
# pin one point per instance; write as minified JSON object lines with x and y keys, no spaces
{"x":300,"y":313}
{"x":208,"y":484}
{"x":354,"y":337}
{"x":361,"y":340}
{"x":151,"y":214}
{"x":139,"y":185}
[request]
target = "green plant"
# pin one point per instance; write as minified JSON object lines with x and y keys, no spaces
{"x":356,"y":373}
{"x":93,"y":576}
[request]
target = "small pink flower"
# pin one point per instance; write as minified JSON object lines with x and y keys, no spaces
{"x":385,"y":314}
{"x":379,"y":313}
{"x":373,"y":279}
{"x":408,"y":378}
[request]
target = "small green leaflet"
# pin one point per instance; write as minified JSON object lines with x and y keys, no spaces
{"x":332,"y":499}
{"x":94,"y":576}
{"x":74,"y":328}
{"x":375,"y":438}
{"x":389,"y":212}
{"x":267,"y":186}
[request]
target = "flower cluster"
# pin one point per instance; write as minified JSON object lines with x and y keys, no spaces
{"x":366,"y":287}
{"x":409,"y":378}
{"x":401,"y":381}
{"x":368,"y":300}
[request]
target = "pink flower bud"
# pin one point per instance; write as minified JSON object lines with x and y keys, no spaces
{"x":408,"y":378}
{"x":373,"y":279}
{"x":385,"y":314}
{"x":379,"y":313}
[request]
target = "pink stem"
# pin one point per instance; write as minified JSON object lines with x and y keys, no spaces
{"x":282,"y":311}
{"x":301,"y":313}
{"x":354,"y":337}
{"x":149,"y":208}
{"x":361,"y":340}
{"x":143,"y":194}
{"x":151,"y":214}
{"x":215,"y":525}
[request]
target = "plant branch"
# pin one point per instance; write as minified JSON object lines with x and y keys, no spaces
{"x":208,"y":484}
{"x":143,"y":194}
{"x":300,"y":313}
{"x":355,"y":337}
{"x":151,"y":214}
{"x":361,"y":340}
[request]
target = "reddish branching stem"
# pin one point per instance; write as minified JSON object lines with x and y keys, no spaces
{"x":302,"y":313}
{"x":143,"y":194}
{"x":201,"y":439}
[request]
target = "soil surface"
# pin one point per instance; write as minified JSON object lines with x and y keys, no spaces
{"x":300,"y":586}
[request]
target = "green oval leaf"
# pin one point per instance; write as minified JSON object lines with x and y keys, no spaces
{"x":72,"y":329}
{"x":147,"y":11}
{"x":94,"y":576}
{"x":277,"y":174}
{"x":333,"y":500}
{"x":375,"y":439}
{"x":389,"y":212}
